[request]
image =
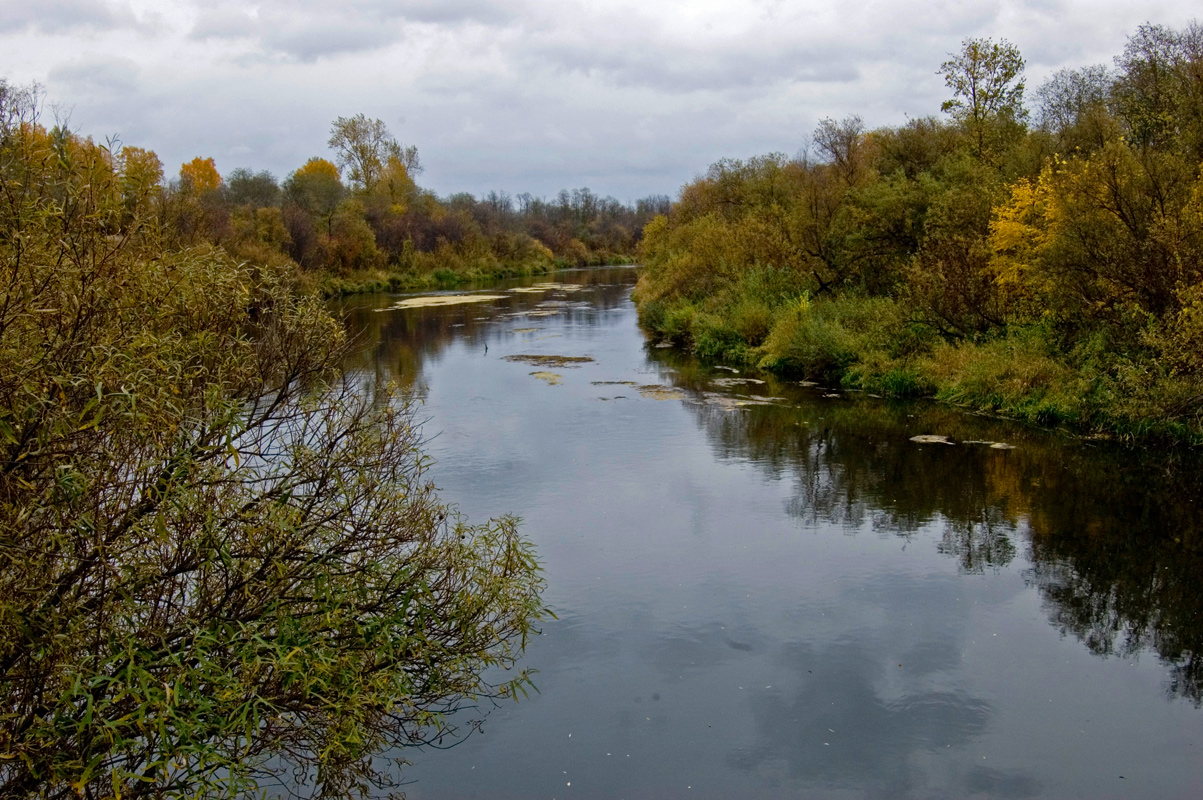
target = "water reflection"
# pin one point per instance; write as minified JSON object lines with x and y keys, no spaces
{"x":765,"y":588}
{"x":862,"y":706}
{"x":398,"y":347}
{"x":1114,"y":536}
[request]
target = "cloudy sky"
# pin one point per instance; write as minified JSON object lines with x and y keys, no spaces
{"x":627,"y":98}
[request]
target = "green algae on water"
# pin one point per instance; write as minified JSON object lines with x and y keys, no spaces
{"x":442,"y":300}
{"x":548,"y":360}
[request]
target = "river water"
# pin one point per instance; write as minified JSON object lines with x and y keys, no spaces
{"x":769,"y":590}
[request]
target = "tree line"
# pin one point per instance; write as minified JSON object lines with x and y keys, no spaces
{"x":362,"y":217}
{"x":1044,"y":260}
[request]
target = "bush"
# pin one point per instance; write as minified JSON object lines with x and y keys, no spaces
{"x":220,"y":558}
{"x":824,"y":338}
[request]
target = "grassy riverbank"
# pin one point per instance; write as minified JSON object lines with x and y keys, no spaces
{"x":329,"y":284}
{"x":875,"y":345}
{"x":1048,"y":271}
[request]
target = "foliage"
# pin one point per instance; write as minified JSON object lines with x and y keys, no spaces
{"x":365,"y":147}
{"x":986,"y":79}
{"x":1051,"y":273}
{"x":380,"y":229}
{"x":222,"y":565}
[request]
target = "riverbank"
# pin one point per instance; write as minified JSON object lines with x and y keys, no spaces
{"x":1047,"y":267}
{"x":879,"y":346}
{"x":329,"y":285}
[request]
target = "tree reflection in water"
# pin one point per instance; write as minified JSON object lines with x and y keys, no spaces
{"x":1113,"y":537}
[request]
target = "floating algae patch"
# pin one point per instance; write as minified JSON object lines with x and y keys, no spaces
{"x":658,"y":392}
{"x":931,"y":438}
{"x":734,"y":381}
{"x":551,"y":378}
{"x":613,"y":383}
{"x":993,"y":445}
{"x":761,"y":400}
{"x":548,"y":361}
{"x":729,"y":403}
{"x":443,"y":300}
{"x":546,"y":287}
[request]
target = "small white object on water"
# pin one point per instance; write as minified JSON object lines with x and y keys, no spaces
{"x":931,"y":438}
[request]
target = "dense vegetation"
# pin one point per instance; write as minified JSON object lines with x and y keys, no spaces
{"x":362,"y":222}
{"x":221,"y":564}
{"x":1050,"y":268}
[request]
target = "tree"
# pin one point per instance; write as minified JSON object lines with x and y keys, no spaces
{"x":1159,"y":88}
{"x":843,"y":145}
{"x":141,"y":176}
{"x":365,"y":146}
{"x":220,"y":558}
{"x":1071,"y":98}
{"x":317,"y":188}
{"x":254,"y":189}
{"x":987,"y":84}
{"x":200,"y":176}
{"x":312,"y":195}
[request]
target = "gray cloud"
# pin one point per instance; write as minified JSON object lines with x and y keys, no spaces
{"x":225,"y":22}
{"x":626,"y":97}
{"x":63,"y":16}
{"x":307,"y":31}
{"x":96,"y":74}
{"x":687,"y":69}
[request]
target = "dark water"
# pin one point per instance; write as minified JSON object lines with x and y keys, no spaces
{"x":795,"y":600}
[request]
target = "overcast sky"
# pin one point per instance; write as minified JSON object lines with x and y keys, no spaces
{"x":627,"y":98}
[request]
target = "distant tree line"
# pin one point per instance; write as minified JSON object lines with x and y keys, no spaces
{"x":363,"y":212}
{"x":1045,"y":261}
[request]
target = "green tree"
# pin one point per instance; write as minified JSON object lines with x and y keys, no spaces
{"x":1159,"y":88}
{"x":221,"y":560}
{"x":986,"y":79}
{"x":1070,"y":95}
{"x":257,"y":190}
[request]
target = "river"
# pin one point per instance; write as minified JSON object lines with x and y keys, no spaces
{"x":767,"y":589}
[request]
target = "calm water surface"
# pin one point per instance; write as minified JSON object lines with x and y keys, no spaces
{"x":788,"y":597}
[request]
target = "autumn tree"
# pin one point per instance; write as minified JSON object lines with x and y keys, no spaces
{"x":844,"y":145}
{"x":223,"y":566}
{"x":141,"y":177}
{"x":364,"y":147}
{"x":986,"y":79}
{"x":195,"y":207}
{"x":200,"y":176}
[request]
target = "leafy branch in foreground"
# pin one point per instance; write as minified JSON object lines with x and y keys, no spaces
{"x":222,"y":565}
